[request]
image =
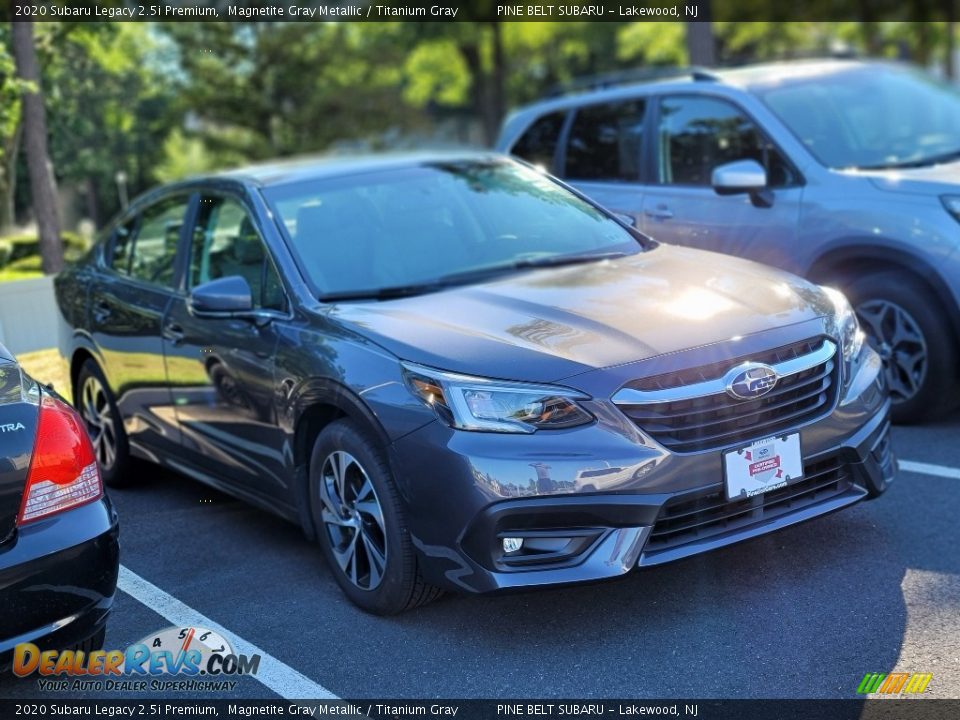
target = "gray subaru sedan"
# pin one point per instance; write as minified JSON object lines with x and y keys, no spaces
{"x":456,"y":373}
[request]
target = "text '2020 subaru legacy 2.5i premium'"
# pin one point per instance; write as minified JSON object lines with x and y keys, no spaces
{"x":844,"y":172}
{"x":456,"y":373}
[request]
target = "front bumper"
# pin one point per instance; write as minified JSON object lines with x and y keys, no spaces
{"x":58,"y":578}
{"x":595,"y":502}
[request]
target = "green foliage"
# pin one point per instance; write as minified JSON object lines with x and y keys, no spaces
{"x":20,"y":255}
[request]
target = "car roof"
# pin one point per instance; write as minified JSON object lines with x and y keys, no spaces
{"x":748,"y":77}
{"x":328,"y":166}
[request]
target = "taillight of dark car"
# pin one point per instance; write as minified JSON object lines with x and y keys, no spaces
{"x":63,"y":472}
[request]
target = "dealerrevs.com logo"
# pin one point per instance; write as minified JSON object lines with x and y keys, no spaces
{"x":198,"y":658}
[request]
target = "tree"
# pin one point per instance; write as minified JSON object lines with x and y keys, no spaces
{"x":43,"y":185}
{"x":10,"y":132}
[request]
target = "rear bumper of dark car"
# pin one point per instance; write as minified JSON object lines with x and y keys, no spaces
{"x":596,"y":509}
{"x":58,"y":578}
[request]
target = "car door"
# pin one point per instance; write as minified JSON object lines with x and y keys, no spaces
{"x":221,"y":371}
{"x":693,"y":135}
{"x":128,"y":303}
{"x":602,"y":155}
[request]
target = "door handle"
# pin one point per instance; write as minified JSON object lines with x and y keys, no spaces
{"x":101,"y":311}
{"x":661,"y":212}
{"x":174,"y":333}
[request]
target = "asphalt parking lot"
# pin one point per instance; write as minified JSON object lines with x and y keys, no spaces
{"x":802,"y":613}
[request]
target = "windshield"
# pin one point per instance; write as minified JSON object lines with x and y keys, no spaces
{"x":871,"y":117}
{"x":421,"y":224}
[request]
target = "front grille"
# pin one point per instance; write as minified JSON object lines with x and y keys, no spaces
{"x":687,"y":519}
{"x":717,"y":420}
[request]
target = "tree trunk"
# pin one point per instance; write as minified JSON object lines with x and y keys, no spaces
{"x":497,"y":107}
{"x":43,"y":185}
{"x":949,"y":67}
{"x":93,"y":201}
{"x":701,"y":45}
{"x":8,"y":188}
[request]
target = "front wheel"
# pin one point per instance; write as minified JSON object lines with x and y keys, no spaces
{"x":104,"y":425}
{"x":360,"y":522}
{"x":904,"y":323}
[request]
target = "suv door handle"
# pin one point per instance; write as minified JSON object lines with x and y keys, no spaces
{"x":661,"y":212}
{"x":101,"y":311}
{"x":174,"y":333}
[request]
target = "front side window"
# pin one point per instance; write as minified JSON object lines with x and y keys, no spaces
{"x":538,"y":145}
{"x":434,"y":221}
{"x":605,"y":142}
{"x":697,"y":134}
{"x":226,"y":242}
{"x":145,"y":248}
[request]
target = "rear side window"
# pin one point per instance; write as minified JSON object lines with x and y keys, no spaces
{"x":145,"y":248}
{"x":697,"y":134}
{"x":606,"y":141}
{"x":538,"y":145}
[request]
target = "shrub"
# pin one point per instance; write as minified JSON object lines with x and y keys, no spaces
{"x":6,"y":252}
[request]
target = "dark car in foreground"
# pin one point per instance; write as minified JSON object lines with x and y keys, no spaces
{"x":456,"y":373}
{"x":59,"y":554}
{"x":844,"y":172}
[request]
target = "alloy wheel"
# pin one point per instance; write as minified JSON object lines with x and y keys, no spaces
{"x":896,"y":336}
{"x":353,"y":519}
{"x":96,"y":413}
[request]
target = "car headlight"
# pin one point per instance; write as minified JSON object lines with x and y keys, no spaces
{"x":472,"y":403}
{"x":846,"y":325}
{"x":952,"y":204}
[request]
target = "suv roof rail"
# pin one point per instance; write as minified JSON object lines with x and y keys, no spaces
{"x":632,"y":76}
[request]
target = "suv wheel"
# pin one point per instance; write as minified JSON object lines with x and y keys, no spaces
{"x":360,"y":522}
{"x":903,"y":323}
{"x":104,"y":425}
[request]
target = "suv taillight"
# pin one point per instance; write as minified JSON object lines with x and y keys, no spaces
{"x":64,"y":471}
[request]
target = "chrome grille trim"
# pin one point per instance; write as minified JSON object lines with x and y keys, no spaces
{"x":632,"y":396}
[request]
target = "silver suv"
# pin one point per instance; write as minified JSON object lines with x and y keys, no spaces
{"x":845,"y":172}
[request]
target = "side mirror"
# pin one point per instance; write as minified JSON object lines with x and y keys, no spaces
{"x":224,"y":297}
{"x":743,"y":176}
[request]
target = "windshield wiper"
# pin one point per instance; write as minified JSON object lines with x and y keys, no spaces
{"x":466,"y":277}
{"x":906,"y":164}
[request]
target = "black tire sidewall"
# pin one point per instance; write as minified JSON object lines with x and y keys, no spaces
{"x":117,"y":476}
{"x":935,"y":397}
{"x":393,"y":593}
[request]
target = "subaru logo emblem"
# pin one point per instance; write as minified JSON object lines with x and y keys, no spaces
{"x":750,"y":381}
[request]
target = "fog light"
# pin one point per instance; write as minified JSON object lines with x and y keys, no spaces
{"x":511,"y":545}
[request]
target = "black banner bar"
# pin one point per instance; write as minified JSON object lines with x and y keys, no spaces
{"x":472,"y":11}
{"x":874,"y":709}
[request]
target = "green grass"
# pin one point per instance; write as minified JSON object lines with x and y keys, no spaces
{"x":20,"y":259}
{"x":23,"y":269}
{"x":45,"y":366}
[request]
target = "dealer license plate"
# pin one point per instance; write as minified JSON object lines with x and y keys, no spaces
{"x":763,"y":466}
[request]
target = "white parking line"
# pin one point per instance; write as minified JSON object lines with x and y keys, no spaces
{"x":279,"y":677}
{"x":928,"y":469}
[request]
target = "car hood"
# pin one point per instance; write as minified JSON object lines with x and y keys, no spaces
{"x":933,"y":180}
{"x":548,"y":324}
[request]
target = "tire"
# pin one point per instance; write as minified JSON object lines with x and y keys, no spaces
{"x":905,"y":324}
{"x":382,"y":575}
{"x":98,"y":408}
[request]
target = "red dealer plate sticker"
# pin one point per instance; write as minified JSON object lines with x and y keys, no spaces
{"x":763,"y":466}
